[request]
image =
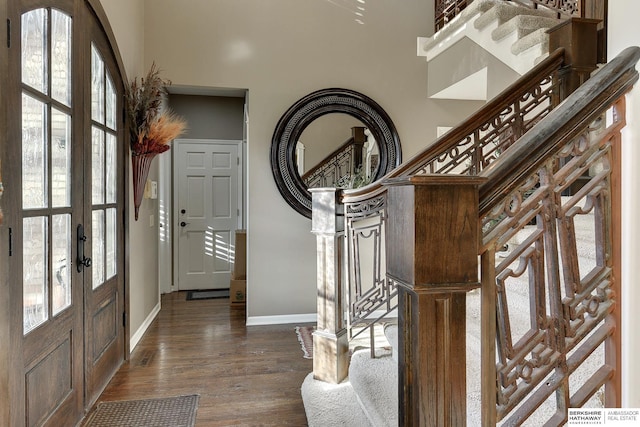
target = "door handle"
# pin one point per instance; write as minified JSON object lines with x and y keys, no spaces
{"x":82,"y":260}
{"x":184,"y":224}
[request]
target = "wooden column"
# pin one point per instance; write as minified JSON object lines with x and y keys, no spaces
{"x":579,"y":38}
{"x":432,"y":253}
{"x":359,"y":138}
{"x":330,"y":342}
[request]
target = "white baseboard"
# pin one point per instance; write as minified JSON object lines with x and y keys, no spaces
{"x":304,"y":318}
{"x":281,"y":319}
{"x":137,"y":336}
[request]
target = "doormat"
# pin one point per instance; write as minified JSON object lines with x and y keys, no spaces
{"x":305,"y":338}
{"x":215,"y":293}
{"x":179,"y":411}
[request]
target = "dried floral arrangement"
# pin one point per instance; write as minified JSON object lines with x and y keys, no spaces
{"x":152,"y":129}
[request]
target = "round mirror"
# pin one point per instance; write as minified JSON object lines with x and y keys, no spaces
{"x":331,"y":138}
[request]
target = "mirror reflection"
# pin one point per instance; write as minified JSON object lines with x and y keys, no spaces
{"x":337,"y":150}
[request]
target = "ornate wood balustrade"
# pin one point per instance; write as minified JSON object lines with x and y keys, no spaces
{"x":342,"y":163}
{"x":574,"y":305}
{"x":499,"y":185}
{"x":446,"y":10}
{"x":350,"y":225}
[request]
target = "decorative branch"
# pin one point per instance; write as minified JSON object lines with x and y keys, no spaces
{"x":152,"y":128}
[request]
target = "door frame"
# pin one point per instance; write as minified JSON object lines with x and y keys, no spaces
{"x":174,"y":185}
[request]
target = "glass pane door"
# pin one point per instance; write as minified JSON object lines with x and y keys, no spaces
{"x":103,"y":171}
{"x":46,"y":165}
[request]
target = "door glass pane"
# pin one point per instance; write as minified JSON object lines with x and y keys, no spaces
{"x":61,"y":57}
{"x":97,"y":247}
{"x":34,"y":272}
{"x":111,"y":243}
{"x":61,"y":263}
{"x":97,"y":86}
{"x":112,"y":158}
{"x":34,"y":153}
{"x":60,"y":158}
{"x":34,"y":49}
{"x":111,"y":104}
{"x":97,"y":165}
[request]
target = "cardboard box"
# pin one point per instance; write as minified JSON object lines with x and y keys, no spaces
{"x":237,"y":291}
{"x":240,"y":261}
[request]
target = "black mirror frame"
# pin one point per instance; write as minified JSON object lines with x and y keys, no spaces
{"x":307,"y":109}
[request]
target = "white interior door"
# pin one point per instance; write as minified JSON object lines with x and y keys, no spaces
{"x":207,"y":212}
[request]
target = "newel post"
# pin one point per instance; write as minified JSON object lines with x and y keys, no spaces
{"x":432,"y":253}
{"x":579,"y":38}
{"x":330,"y":342}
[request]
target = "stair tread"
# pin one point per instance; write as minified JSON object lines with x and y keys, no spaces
{"x":505,"y":11}
{"x":375,"y":382}
{"x":331,"y":405}
{"x":523,"y":25}
{"x":534,"y":38}
{"x":391,"y":332}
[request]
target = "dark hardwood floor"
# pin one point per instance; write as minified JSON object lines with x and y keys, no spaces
{"x":249,"y":376}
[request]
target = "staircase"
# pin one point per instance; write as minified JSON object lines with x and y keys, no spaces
{"x":504,"y":315}
{"x":485,"y":48}
{"x":367,"y":397}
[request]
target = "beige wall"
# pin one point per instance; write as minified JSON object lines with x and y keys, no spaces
{"x":126,"y":18}
{"x":623,"y":16}
{"x":280,"y":50}
{"x":283,"y":49}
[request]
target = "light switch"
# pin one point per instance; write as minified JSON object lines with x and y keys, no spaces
{"x":151,"y":220}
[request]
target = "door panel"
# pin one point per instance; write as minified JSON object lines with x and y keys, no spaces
{"x":104,"y":300}
{"x":207,"y":213}
{"x":67,"y":338}
{"x":49,"y":379}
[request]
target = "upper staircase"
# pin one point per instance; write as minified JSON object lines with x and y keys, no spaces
{"x":486,"y":47}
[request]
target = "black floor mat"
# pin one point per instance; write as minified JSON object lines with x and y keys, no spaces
{"x":210,"y":294}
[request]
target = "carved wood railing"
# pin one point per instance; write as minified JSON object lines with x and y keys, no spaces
{"x":342,"y":162}
{"x":550,"y":317}
{"x":570,"y":347}
{"x":446,"y":10}
{"x":353,"y":285}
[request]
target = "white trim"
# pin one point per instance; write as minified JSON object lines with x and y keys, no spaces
{"x":304,"y":318}
{"x":281,"y":319}
{"x":135,"y":338}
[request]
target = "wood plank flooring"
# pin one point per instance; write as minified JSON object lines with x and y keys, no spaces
{"x":247,"y":376}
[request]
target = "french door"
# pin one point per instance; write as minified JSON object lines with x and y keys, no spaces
{"x":66,"y":250}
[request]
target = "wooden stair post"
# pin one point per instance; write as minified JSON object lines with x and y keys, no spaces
{"x":579,"y":38}
{"x":432,"y":254}
{"x":330,"y":341}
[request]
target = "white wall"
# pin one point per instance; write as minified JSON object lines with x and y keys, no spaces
{"x":281,"y":50}
{"x":623,"y":17}
{"x":126,"y":18}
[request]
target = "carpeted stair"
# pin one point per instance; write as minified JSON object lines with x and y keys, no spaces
{"x":368,"y":397}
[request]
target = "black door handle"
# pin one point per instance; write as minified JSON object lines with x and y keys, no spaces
{"x":82,"y":260}
{"x":184,"y":224}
